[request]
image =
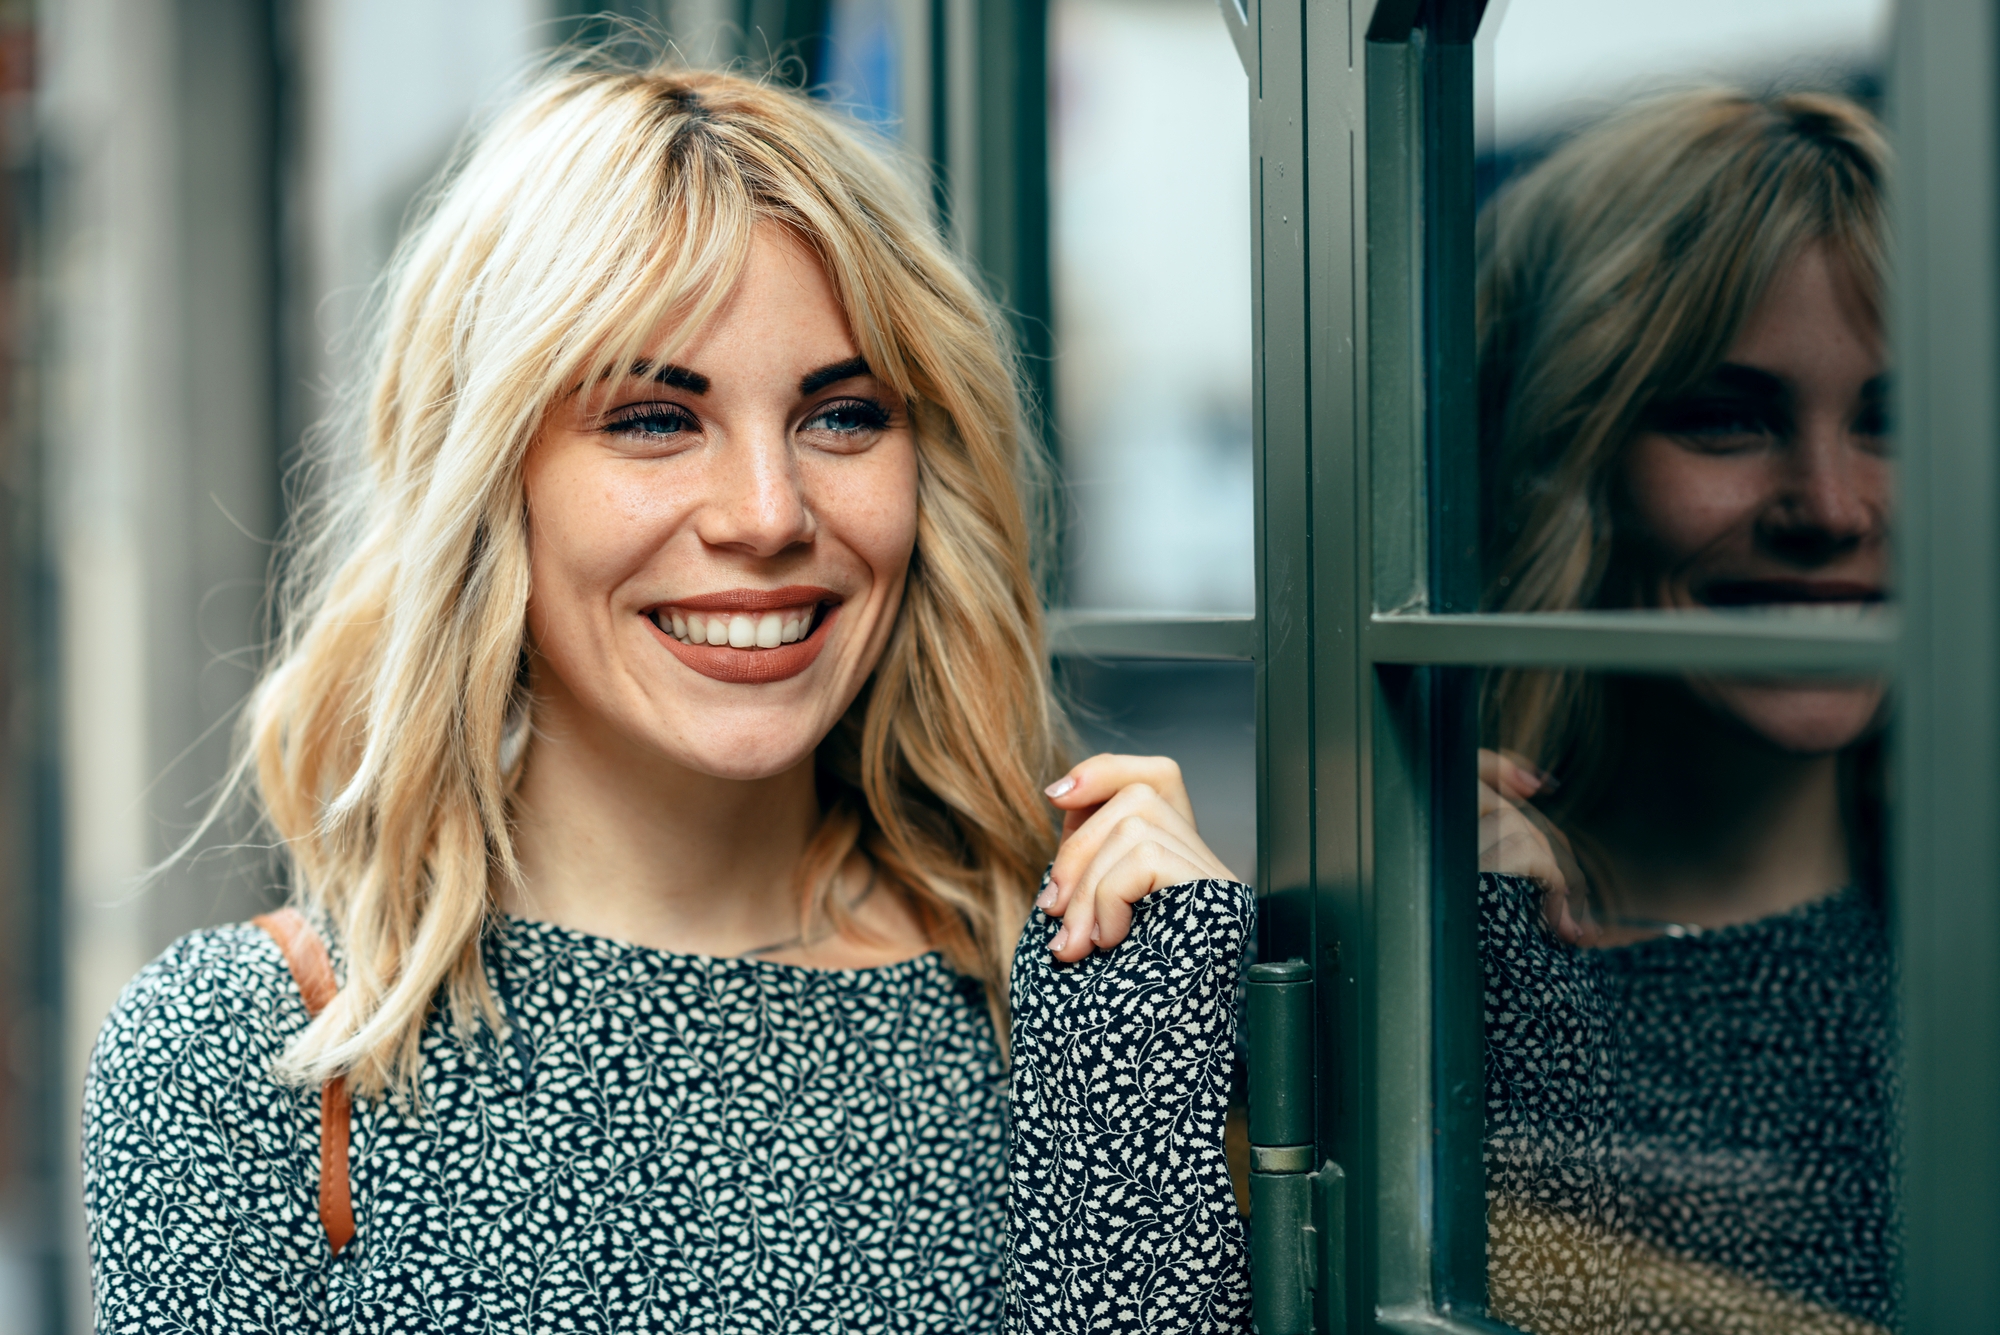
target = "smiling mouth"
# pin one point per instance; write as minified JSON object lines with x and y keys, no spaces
{"x":748,"y":636}
{"x":1774,"y":592}
{"x":754,"y":629}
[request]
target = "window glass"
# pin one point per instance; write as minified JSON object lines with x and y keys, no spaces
{"x":1683,"y":386}
{"x":1690,"y":1042}
{"x":1202,"y":714}
{"x":1149,"y":175}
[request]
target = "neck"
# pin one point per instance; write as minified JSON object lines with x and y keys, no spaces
{"x":1703,"y":822}
{"x":617,"y":841}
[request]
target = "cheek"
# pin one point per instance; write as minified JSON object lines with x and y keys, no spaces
{"x":873,"y":506}
{"x":591,"y":527}
{"x":1682,"y":503}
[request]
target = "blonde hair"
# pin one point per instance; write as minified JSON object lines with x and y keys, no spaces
{"x":386,"y":738}
{"x":1613,"y":276}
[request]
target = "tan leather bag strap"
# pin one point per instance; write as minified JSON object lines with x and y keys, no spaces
{"x":306,"y":955}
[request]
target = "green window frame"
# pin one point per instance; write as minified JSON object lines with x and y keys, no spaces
{"x":1367,"y":634}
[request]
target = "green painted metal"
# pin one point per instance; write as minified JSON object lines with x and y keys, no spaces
{"x":1830,"y":641}
{"x":1281,"y":1253}
{"x":1329,"y":1222}
{"x":1277,"y":1024}
{"x":1946,"y":327}
{"x":1136,"y":635}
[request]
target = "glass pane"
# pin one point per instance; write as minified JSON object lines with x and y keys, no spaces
{"x":1689,"y":1004}
{"x":1683,"y":381}
{"x":1203,"y":715}
{"x":1149,"y":172}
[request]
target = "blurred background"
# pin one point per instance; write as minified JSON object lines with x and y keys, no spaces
{"x":195,"y":196}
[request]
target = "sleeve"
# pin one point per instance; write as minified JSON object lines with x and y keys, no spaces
{"x":1557,"y":1242}
{"x":200,"y":1172}
{"x":1119,"y":1203}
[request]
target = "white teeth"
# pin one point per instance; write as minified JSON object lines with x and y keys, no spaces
{"x":738,"y":630}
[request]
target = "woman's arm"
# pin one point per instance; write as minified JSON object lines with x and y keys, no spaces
{"x":1119,"y":1197}
{"x":200,"y":1171}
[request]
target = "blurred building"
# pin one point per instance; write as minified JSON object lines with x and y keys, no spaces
{"x":195,"y":198}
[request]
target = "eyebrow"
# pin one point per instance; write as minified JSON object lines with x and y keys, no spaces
{"x":833,"y":374}
{"x":672,"y":376}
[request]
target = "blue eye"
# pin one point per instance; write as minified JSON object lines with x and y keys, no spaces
{"x":652,"y":420}
{"x":849,"y":417}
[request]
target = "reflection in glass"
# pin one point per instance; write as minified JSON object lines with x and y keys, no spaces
{"x":1690,"y":1043}
{"x":1690,"y":1036}
{"x":1150,"y":146}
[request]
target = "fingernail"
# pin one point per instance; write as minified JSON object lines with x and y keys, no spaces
{"x":1095,"y":935}
{"x":1061,"y":939}
{"x":1048,"y":895}
{"x":1061,"y":787}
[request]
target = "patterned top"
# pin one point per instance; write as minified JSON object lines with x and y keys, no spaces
{"x":663,"y":1142}
{"x":1692,"y":1133}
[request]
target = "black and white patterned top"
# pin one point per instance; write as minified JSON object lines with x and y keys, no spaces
{"x":663,"y":1143}
{"x":1691,"y":1133}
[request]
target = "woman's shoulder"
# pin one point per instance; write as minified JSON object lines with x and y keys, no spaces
{"x":223,"y":991}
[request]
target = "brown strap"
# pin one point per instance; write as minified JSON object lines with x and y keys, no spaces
{"x":305,"y":954}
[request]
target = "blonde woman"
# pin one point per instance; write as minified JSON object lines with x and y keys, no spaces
{"x":658,"y":738}
{"x":1683,"y":384}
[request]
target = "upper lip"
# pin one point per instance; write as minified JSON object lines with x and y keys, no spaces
{"x":1757,"y":592}
{"x":754,"y":600}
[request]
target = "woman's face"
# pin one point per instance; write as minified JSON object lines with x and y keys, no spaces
{"x":1769,"y":483}
{"x":719,"y":544}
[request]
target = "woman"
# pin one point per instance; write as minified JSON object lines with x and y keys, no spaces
{"x":1682,"y":377}
{"x":658,"y":737}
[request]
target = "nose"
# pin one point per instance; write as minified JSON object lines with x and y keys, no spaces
{"x":757,"y":503}
{"x":1829,"y":501}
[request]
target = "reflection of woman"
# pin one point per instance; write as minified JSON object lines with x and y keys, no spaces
{"x":1682,"y":384}
{"x":658,"y":740}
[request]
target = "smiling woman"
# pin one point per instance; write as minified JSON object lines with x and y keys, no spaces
{"x":658,"y":738}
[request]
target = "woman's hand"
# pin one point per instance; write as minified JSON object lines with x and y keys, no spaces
{"x":1128,"y":830}
{"x":1517,"y":840}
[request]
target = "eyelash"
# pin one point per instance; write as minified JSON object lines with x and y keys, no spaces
{"x":660,"y":420}
{"x":637,"y":420}
{"x":873,"y":416}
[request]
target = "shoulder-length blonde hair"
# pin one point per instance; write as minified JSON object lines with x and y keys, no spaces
{"x":386,"y":738}
{"x":1614,"y":276}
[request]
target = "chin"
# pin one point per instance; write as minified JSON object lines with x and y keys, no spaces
{"x":1800,"y":717}
{"x":745,"y":759}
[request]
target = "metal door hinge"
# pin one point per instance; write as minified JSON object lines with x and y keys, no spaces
{"x":1297,"y":1216}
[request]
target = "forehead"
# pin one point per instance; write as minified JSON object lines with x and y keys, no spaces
{"x":1813,"y":313}
{"x":782,"y":308}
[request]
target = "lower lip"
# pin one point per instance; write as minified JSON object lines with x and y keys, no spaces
{"x":751,"y":667}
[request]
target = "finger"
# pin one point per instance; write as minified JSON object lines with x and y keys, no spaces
{"x":1079,"y":907}
{"x":1509,"y":774}
{"x":1139,"y":872}
{"x":1095,"y":781}
{"x":1080,"y":848}
{"x":1510,"y":846}
{"x":1100,"y":913}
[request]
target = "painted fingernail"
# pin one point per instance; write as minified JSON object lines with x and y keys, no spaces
{"x":1061,"y":787}
{"x":1061,"y":939}
{"x":1048,"y":895}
